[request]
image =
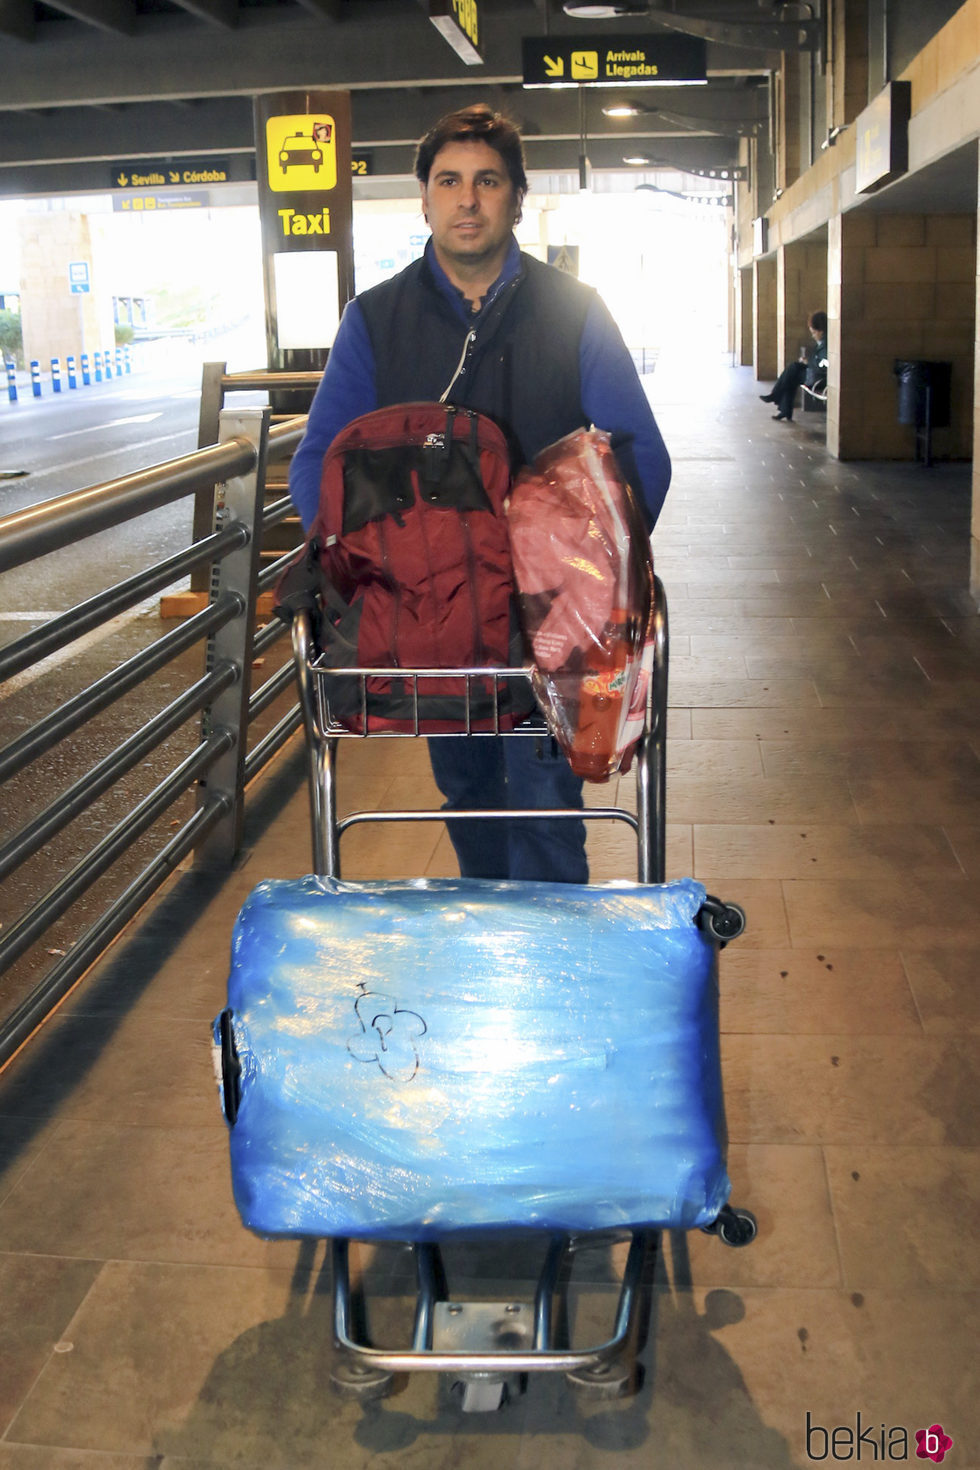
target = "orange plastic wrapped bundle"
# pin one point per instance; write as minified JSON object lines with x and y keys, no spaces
{"x":584,"y":576}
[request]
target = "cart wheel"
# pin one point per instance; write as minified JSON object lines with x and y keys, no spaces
{"x":728,"y":924}
{"x":613,"y":1380}
{"x":737,"y":1228}
{"x":482,"y":1395}
{"x":354,"y":1380}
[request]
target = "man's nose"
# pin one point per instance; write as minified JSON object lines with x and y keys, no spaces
{"x":468,"y":196}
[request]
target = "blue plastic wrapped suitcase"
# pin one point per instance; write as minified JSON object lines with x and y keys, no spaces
{"x":431,"y":1057}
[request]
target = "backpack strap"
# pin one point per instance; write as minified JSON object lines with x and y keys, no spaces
{"x":303,"y":586}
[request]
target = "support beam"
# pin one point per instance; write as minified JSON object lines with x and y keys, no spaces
{"x":328,"y":9}
{"x":223,"y":13}
{"x":116,"y":16}
{"x":17,"y":19}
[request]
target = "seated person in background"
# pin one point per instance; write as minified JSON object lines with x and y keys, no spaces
{"x":811,"y":368}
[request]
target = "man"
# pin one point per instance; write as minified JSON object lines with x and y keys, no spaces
{"x":810,"y":368}
{"x":477,"y":323}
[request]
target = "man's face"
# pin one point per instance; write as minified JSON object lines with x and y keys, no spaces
{"x":470,"y":204}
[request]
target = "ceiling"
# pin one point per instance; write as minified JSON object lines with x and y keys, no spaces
{"x":90,"y":84}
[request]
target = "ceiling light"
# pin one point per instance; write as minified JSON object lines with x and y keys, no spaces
{"x":582,"y":10}
{"x":638,"y":160}
{"x":623,"y":109}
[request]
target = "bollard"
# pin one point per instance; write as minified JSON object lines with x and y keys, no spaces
{"x":36,"y":377}
{"x":129,"y":361}
{"x":119,"y":363}
{"x":11,"y":381}
{"x":107,"y":364}
{"x":97,"y":363}
{"x":72,"y":380}
{"x":86,"y":375}
{"x":56,"y":374}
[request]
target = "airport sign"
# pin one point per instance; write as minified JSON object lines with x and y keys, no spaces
{"x":458,"y":22}
{"x":613,"y":61}
{"x":148,"y":173}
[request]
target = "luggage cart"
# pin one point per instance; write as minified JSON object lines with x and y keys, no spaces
{"x":489,"y":1347}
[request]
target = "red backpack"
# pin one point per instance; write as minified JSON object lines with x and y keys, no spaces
{"x":408,"y":565}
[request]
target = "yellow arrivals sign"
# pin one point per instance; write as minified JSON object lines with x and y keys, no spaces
{"x":301,"y":153}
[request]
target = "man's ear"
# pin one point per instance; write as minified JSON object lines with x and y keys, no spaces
{"x":519,"y":207}
{"x":425,"y":202}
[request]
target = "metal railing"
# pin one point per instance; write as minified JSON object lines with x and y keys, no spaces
{"x":232,"y":474}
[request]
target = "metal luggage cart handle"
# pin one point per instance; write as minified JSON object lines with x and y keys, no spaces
{"x":430,"y":1322}
{"x":323,"y":734}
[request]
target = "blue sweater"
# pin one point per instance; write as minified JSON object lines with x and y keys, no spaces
{"x":612,"y":395}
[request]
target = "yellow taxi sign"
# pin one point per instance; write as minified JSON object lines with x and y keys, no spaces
{"x":301,"y":150}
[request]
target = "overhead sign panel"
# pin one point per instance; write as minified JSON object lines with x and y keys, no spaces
{"x":147,"y":203}
{"x":458,"y":21}
{"x":882,"y":151}
{"x":614,"y":61}
{"x":164,"y":173}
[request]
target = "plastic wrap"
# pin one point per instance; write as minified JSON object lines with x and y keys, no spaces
{"x":584,"y":576}
{"x":424,"y":1058}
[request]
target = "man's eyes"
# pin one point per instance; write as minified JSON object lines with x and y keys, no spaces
{"x":488,"y":181}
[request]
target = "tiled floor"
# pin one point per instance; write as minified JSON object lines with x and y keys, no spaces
{"x":824,"y":771}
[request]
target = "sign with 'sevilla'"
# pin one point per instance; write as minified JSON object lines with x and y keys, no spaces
{"x":613,"y":61}
{"x":164,"y":173}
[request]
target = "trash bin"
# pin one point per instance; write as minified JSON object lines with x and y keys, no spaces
{"x":924,"y":393}
{"x":924,"y":400}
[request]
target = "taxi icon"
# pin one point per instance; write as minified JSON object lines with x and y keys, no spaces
{"x":300,"y":150}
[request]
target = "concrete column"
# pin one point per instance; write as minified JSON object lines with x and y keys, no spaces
{"x":847,"y":76}
{"x":975,"y":516}
{"x":55,"y":320}
{"x":788,"y":162}
{"x":743,"y":305}
{"x":804,"y":288}
{"x":900,"y":286}
{"x":784,"y":353}
{"x":765,"y":351}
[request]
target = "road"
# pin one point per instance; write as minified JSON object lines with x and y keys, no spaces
{"x":67,"y":442}
{"x":71,"y":440}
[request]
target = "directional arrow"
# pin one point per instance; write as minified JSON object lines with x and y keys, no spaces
{"x":554,"y":66}
{"x":174,"y":178}
{"x":122,"y":180}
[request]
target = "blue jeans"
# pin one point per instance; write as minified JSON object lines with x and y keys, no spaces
{"x":486,"y":771}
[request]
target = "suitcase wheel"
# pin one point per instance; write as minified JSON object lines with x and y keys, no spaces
{"x":723,"y":921}
{"x":733,"y":1227}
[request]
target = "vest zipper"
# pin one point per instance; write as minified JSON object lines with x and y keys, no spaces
{"x":469,"y":342}
{"x":494,"y":308}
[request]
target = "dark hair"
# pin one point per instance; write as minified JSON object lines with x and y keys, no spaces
{"x":818,"y":321}
{"x":479,"y":124}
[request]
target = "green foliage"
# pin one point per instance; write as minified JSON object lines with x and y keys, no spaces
{"x":11,"y":338}
{"x":187,"y":306}
{"x":124,"y":334}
